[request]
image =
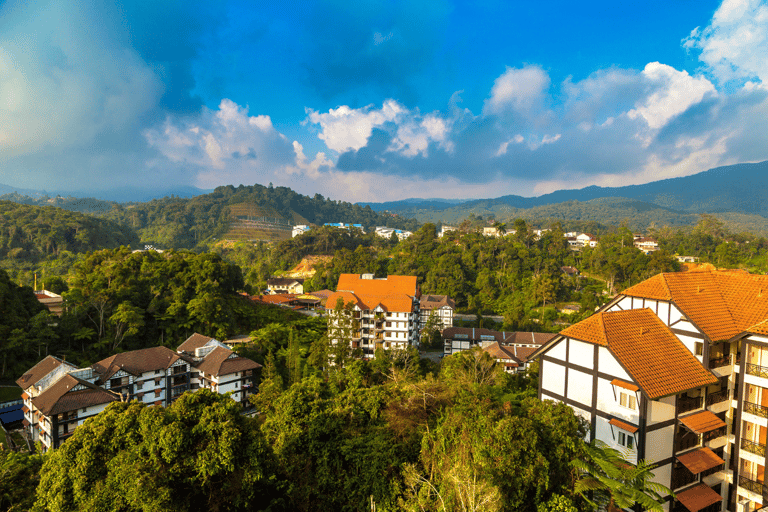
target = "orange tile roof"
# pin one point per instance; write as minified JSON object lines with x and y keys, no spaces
{"x":722,"y":303}
{"x":623,"y":426}
{"x":655,"y":359}
{"x":392,"y":285}
{"x":703,"y":421}
{"x":700,"y":459}
{"x":698,"y":497}
{"x":367,"y":294}
{"x":496,"y":351}
{"x":590,"y":330}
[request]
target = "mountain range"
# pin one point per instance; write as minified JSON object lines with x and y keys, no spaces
{"x":737,"y":194}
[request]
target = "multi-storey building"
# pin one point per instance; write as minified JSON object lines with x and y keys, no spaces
{"x":384,"y":312}
{"x":674,"y":370}
{"x":59,"y":396}
{"x":441,"y":306}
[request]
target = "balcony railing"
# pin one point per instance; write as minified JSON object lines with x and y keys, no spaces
{"x":688,"y":404}
{"x":714,"y":434}
{"x":719,"y":362}
{"x":682,"y":477}
{"x":751,"y":485}
{"x":757,"y":410}
{"x":716,"y":398}
{"x":753,"y":447}
{"x":756,"y":370}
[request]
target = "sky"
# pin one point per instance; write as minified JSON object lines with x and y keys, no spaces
{"x":379,"y":100}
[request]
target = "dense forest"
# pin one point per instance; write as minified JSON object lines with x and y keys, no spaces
{"x":389,"y":434}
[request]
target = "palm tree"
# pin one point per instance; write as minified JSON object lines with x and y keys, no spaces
{"x":608,"y":482}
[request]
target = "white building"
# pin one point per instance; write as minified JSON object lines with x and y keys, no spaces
{"x":442,"y":306}
{"x":384,"y":313}
{"x":299,"y":229}
{"x":59,"y":396}
{"x":672,"y":370}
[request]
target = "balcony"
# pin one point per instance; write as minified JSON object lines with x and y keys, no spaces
{"x":756,"y":370}
{"x":685,"y":404}
{"x":719,"y":362}
{"x":757,"y":410}
{"x":753,"y":447}
{"x":751,"y":485}
{"x":716,"y":398}
{"x":713,"y":434}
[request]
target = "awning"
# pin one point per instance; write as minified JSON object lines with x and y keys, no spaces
{"x":704,"y":421}
{"x":700,"y":460}
{"x":623,"y":426}
{"x":625,"y":385}
{"x":698,"y":497}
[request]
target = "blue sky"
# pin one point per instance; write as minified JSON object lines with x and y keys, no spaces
{"x":380,"y":100}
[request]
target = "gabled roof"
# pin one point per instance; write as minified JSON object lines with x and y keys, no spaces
{"x":365,"y":301}
{"x":496,"y":351}
{"x":136,"y":362}
{"x":39,"y":371}
{"x":722,"y":303}
{"x":436,"y":302}
{"x":59,"y":397}
{"x":284,"y":281}
{"x":193,"y":343}
{"x":652,"y":355}
{"x":219,"y":361}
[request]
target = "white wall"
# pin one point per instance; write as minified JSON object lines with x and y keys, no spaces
{"x":660,"y":410}
{"x":553,"y":377}
{"x":580,"y":387}
{"x":580,"y":353}
{"x":608,"y":364}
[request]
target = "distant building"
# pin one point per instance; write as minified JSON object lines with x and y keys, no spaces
{"x":285,"y":285}
{"x":53,"y":301}
{"x":385,"y":311}
{"x":299,"y":229}
{"x":446,"y":229}
{"x":442,"y":306}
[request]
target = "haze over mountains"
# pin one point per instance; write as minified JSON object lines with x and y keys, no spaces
{"x":736,"y":194}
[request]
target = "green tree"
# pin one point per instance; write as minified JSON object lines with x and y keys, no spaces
{"x":200,"y":453}
{"x":606,"y":480}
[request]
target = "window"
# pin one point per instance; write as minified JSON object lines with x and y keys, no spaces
{"x":627,"y":400}
{"x":626,"y":440}
{"x":139,"y":384}
{"x":699,"y":347}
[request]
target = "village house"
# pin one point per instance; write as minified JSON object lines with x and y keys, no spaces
{"x":674,"y":370}
{"x":277,"y":285}
{"x":59,"y":396}
{"x":384,"y":312}
{"x":441,"y":306}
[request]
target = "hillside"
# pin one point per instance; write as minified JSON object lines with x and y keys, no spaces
{"x":735,"y":194}
{"x":36,"y":232}
{"x":250,"y":212}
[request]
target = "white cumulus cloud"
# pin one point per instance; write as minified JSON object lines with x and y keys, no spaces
{"x":521,"y":90}
{"x":735,"y":43}
{"x":674,"y":92}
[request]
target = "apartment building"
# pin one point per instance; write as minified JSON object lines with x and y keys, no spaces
{"x":59,"y":396}
{"x":672,"y":371}
{"x":384,"y":312}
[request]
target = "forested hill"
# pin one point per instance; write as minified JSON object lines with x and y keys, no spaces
{"x":35,"y":232}
{"x":174,"y":222}
{"x":733,"y":188}
{"x":736,"y":194}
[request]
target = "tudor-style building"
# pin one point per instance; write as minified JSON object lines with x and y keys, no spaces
{"x":59,"y":396}
{"x":441,"y":306}
{"x":384,"y":312}
{"x":708,"y":439}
